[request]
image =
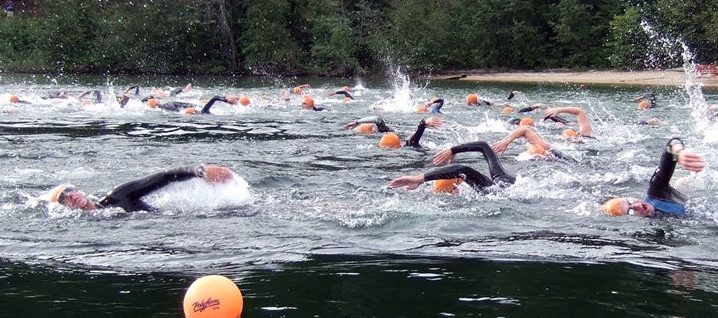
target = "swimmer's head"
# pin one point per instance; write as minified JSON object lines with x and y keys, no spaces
{"x":421,"y":108}
{"x":536,"y":150}
{"x":244,"y":100}
{"x":507,"y":109}
{"x":365,"y":128}
{"x":526,"y":122}
{"x":472,"y":99}
{"x":569,"y":133}
{"x":446,"y":185}
{"x":644,"y":104}
{"x":390,"y":140}
{"x":297,"y":90}
{"x":152,"y":102}
{"x":308,"y":102}
{"x":71,"y":197}
{"x":213,"y":296}
{"x":628,"y":206}
{"x":346,"y":88}
{"x":14,"y":99}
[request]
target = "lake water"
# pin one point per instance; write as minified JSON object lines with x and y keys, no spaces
{"x":315,"y":232}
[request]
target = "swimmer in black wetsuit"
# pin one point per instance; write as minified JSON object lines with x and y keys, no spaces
{"x":129,"y":195}
{"x":660,"y":198}
{"x":371,"y":124}
{"x":189,"y":108}
{"x":368,"y":125}
{"x":649,"y":98}
{"x":477,"y":180}
{"x":344,"y":91}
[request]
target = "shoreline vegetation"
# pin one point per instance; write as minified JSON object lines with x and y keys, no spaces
{"x":338,"y":38}
{"x":659,"y":78}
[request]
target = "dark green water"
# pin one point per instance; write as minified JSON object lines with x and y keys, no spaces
{"x":380,"y":286}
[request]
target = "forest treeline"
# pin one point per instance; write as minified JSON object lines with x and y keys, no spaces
{"x":352,"y":37}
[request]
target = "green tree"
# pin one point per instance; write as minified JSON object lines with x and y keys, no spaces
{"x":268,"y":47}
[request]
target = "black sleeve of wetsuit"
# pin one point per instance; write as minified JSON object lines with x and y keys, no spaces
{"x":496,"y":170}
{"x":511,"y":95}
{"x":527,"y":109}
{"x":382,"y":127}
{"x":345,"y":93}
{"x":416,"y":136}
{"x":129,"y":194}
{"x":144,"y":100}
{"x":556,"y":119}
{"x":472,"y":177}
{"x":176,"y":91}
{"x":123,"y":101}
{"x":660,"y":187}
{"x":205,"y":109}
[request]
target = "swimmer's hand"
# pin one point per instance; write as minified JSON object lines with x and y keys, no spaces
{"x":410,"y":182}
{"x":550,"y":112}
{"x":190,"y":111}
{"x":233,"y":100}
{"x":500,"y":146}
{"x":351,"y":125}
{"x":690,"y":160}
{"x":434,"y":122}
{"x":214,"y":174}
{"x":443,"y":157}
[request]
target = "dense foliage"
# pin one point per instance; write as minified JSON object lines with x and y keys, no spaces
{"x":349,"y":37}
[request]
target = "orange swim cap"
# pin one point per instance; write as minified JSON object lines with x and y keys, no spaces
{"x":308,"y":102}
{"x":507,"y":110}
{"x":190,"y":111}
{"x":297,"y":90}
{"x":152,"y":102}
{"x":446,"y":185}
{"x":213,"y":296}
{"x":644,"y":104}
{"x":536,"y":150}
{"x":14,"y":99}
{"x":472,"y":99}
{"x":365,"y":129}
{"x":569,"y":133}
{"x":526,"y":122}
{"x":244,"y":100}
{"x":613,"y":207}
{"x":421,"y":109}
{"x":390,"y":140}
{"x":54,"y":194}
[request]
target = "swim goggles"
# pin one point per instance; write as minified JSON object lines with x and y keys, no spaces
{"x":64,"y":194}
{"x":630,"y":210}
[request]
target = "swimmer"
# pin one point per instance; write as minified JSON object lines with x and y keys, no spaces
{"x":344,"y":91}
{"x":477,"y":180}
{"x":169,"y":92}
{"x":368,"y":125}
{"x":646,"y":101}
{"x":539,"y":146}
{"x":189,"y":108}
{"x":391,"y":140}
{"x":512,"y":94}
{"x":474,"y":100}
{"x":652,"y":122}
{"x":308,"y":104}
{"x":14,"y":99}
{"x":584,"y":125}
{"x":299,"y":90}
{"x":660,"y":198}
{"x":129,"y":195}
{"x":435,"y":105}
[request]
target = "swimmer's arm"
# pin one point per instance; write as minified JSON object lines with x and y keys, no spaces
{"x":532,"y":108}
{"x":369,"y":120}
{"x":130,"y":192}
{"x":468,"y":174}
{"x":584,"y":125}
{"x":206,"y":108}
{"x":416,"y":136}
{"x":531,"y":136}
{"x":135,"y":87}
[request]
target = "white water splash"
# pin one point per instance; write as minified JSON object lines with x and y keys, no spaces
{"x":400,"y":102}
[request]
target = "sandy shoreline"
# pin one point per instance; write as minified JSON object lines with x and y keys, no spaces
{"x":674,"y":77}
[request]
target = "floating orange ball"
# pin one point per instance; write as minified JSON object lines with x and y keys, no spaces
{"x":365,"y":128}
{"x":472,"y":99}
{"x":390,"y":140}
{"x":213,"y":296}
{"x":446,"y":185}
{"x":244,"y":101}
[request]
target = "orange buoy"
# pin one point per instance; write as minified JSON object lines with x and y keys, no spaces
{"x":213,"y":296}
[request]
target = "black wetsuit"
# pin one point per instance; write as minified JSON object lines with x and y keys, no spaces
{"x":345,"y":93}
{"x":177,"y":106}
{"x":129,"y":194}
{"x":413,"y":141}
{"x":436,"y":106}
{"x":474,"y":178}
{"x":660,"y":194}
{"x":511,"y":96}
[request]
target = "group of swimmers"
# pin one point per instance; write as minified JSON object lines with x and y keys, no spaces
{"x":660,"y":198}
